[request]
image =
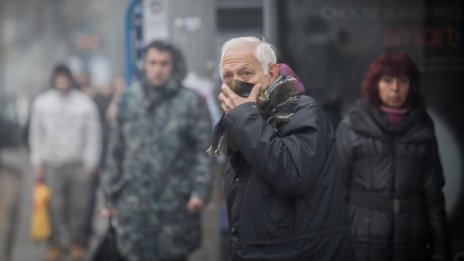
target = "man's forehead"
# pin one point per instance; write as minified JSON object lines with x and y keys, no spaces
{"x":157,"y":52}
{"x":244,"y":49}
{"x":239,"y":59}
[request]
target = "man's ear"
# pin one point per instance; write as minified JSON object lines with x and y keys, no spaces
{"x":274,"y":71}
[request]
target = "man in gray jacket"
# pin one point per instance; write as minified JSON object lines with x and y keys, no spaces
{"x":65,"y":148}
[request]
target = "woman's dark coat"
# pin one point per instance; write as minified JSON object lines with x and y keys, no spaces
{"x":394,"y":182}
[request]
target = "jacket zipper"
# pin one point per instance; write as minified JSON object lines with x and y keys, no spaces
{"x":393,"y":194}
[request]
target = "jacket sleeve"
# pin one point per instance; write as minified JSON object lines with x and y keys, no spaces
{"x":345,"y":153}
{"x":290,"y":163}
{"x":92,"y":139}
{"x":200,"y":129}
{"x":36,"y":135}
{"x":113,"y":178}
{"x":434,"y":201}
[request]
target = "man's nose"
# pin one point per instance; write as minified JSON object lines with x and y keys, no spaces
{"x":237,"y":77}
{"x":156,"y":67}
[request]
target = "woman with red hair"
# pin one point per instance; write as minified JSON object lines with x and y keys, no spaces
{"x":392,"y":172}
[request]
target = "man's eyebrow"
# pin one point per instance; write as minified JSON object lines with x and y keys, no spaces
{"x":241,"y":68}
{"x":245,"y":68}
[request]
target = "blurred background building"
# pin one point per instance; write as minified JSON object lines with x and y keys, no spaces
{"x":329,"y":44}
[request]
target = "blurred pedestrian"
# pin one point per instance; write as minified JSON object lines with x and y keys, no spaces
{"x":65,"y":149}
{"x":117,"y":89}
{"x":283,"y":192}
{"x":102,"y":96}
{"x":392,"y":172}
{"x":84,"y":83}
{"x":159,"y":178}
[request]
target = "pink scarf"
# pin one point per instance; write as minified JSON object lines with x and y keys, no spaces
{"x":394,"y":116}
{"x":287,"y":71}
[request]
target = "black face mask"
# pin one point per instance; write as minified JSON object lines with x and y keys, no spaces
{"x":241,"y":88}
{"x":276,"y":104}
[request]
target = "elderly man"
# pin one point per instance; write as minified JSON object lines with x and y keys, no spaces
{"x":283,"y":192}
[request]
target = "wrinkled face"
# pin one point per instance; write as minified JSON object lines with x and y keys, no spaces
{"x":62,"y":83}
{"x":158,"y":66}
{"x":240,"y":63}
{"x":393,"y":91}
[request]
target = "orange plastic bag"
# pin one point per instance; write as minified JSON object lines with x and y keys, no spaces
{"x":40,"y":222}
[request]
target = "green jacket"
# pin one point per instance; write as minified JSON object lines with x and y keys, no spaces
{"x":156,"y":163}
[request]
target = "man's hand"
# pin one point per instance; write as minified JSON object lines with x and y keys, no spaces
{"x":38,"y":174}
{"x":195,"y":205}
{"x":229,"y":99}
{"x":107,"y":213}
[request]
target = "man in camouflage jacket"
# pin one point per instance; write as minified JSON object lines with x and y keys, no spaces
{"x":159,"y":177}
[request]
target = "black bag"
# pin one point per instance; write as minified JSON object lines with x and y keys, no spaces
{"x":107,"y":249}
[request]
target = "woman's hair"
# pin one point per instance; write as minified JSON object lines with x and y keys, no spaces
{"x":179,"y":67}
{"x":61,"y":69}
{"x":265,"y":52}
{"x":392,"y":64}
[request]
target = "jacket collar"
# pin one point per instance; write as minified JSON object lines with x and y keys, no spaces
{"x":154,"y":96}
{"x":372,"y":121}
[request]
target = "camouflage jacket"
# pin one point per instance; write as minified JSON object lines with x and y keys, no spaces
{"x":156,"y":162}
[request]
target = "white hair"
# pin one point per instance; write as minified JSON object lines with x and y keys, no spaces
{"x":265,"y":52}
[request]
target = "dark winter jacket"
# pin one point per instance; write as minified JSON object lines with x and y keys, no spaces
{"x":394,"y":184}
{"x":283,"y":192}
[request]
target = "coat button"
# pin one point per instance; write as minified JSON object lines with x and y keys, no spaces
{"x":237,"y":179}
{"x":234,"y":229}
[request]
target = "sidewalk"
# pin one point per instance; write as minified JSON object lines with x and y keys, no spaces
{"x":24,"y":249}
{"x":9,"y":192}
{"x":13,"y":174}
{"x":19,"y":191}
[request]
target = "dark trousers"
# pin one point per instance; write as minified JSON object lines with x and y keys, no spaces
{"x":92,"y":201}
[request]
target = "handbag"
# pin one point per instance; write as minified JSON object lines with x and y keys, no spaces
{"x":40,"y":220}
{"x":107,"y":249}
